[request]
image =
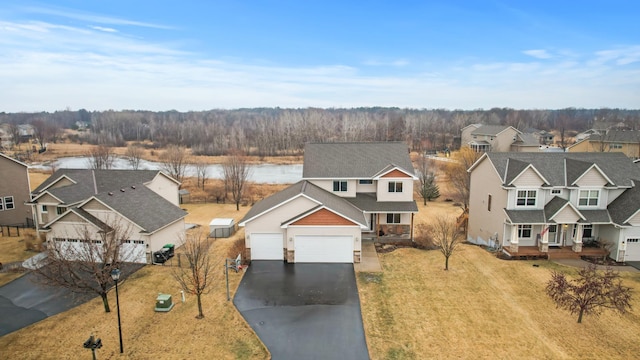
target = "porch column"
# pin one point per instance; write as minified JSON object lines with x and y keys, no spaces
{"x":543,"y":245}
{"x":577,"y":240}
{"x":513,"y":246}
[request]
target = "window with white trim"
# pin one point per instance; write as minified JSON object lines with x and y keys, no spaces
{"x":526,"y":197}
{"x":395,"y":186}
{"x":588,"y":197}
{"x":393,"y":218}
{"x":8,"y":203}
{"x":340,"y":185}
{"x":524,"y":231}
{"x":587,"y":231}
{"x":43,"y":208}
{"x":365,"y":182}
{"x":615,"y":146}
{"x":1,"y":204}
{"x":60,"y":210}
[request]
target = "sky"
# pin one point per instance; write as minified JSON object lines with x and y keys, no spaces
{"x":201,"y":55}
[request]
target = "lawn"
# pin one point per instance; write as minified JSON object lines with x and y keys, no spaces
{"x":482,"y":307}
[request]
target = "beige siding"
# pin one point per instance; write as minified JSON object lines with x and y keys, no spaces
{"x":14,"y":182}
{"x":566,"y":216}
{"x":328,"y":186}
{"x":172,"y":234}
{"x":272,"y":220}
{"x":95,"y":205}
{"x":529,"y":178}
{"x":592,"y":178}
{"x":635,"y":219}
{"x":384,"y":194}
{"x":502,"y":142}
{"x":482,"y":222}
{"x":166,"y":188}
{"x":60,"y":183}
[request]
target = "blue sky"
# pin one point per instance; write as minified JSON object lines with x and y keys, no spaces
{"x":200,"y":55}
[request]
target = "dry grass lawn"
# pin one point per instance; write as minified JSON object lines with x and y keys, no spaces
{"x":482,"y":308}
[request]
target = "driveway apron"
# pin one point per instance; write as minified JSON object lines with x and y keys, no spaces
{"x":303,"y":311}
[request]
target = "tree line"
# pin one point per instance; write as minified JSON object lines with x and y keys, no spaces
{"x":276,"y":131}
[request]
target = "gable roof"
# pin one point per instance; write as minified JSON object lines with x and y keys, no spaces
{"x":123,"y":191}
{"x":617,"y":167}
{"x":14,"y":160}
{"x":305,"y":188}
{"x":354,"y":160}
{"x":625,"y":206}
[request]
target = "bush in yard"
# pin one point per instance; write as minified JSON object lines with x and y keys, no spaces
{"x":423,"y":238}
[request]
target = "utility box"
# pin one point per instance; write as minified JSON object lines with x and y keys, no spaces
{"x":164,"y":303}
{"x":222,"y":228}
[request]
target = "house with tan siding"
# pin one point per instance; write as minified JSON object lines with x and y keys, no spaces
{"x":143,"y":204}
{"x":14,"y":192}
{"x":498,"y":138}
{"x":624,"y":141}
{"x":349,"y":192}
{"x":549,"y":201}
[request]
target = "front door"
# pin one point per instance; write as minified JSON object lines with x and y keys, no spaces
{"x":554,"y":236}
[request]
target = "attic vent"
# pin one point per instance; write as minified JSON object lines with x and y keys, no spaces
{"x":121,"y":190}
{"x":110,"y":193}
{"x":133,"y":187}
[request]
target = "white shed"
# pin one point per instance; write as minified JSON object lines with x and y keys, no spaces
{"x":222,"y":227}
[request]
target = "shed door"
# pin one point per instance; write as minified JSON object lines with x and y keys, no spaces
{"x":324,"y":249}
{"x":266,"y":247}
{"x":633,"y":250}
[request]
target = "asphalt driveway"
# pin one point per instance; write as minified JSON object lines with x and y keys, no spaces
{"x":303,"y":311}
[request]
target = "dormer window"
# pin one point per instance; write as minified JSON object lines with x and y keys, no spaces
{"x":526,"y":198}
{"x":588,"y":197}
{"x":395,"y":186}
{"x":340,"y":186}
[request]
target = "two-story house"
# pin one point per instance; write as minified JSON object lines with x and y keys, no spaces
{"x":547,"y":200}
{"x":496,"y":138}
{"x":14,"y":192}
{"x":140,"y":204}
{"x":349,"y":192}
{"x":624,"y":141}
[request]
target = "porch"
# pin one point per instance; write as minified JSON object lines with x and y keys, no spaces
{"x":390,"y":234}
{"x":555,"y":252}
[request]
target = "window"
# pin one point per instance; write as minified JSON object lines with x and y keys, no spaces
{"x":526,"y":198}
{"x":556,"y":191}
{"x":1,"y":204}
{"x":587,"y":231}
{"x":489,"y":202}
{"x":139,"y":242}
{"x":615,"y":146}
{"x":43,"y":208}
{"x":588,"y":197}
{"x":395,"y":186}
{"x":366,"y":182}
{"x":634,"y":240}
{"x":524,"y":231}
{"x":340,"y":185}
{"x":8,"y":203}
{"x":60,"y":210}
{"x":393,"y":218}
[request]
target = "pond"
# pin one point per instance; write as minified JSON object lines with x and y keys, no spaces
{"x":262,"y":173}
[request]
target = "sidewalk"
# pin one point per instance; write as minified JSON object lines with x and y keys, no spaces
{"x":578,"y":263}
{"x":368,"y":258}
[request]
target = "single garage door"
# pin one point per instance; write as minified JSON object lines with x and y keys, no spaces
{"x":133,"y":251}
{"x":266,"y":247}
{"x":633,"y":250}
{"x":324,"y":249}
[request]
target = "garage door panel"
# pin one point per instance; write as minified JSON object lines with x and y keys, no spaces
{"x":633,"y":250}
{"x":266,"y":247}
{"x":324,"y":249}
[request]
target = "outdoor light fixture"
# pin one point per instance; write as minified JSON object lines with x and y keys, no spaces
{"x":115,"y":275}
{"x":92,"y":344}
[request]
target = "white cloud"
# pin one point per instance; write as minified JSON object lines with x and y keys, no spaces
{"x":538,"y":54}
{"x":105,"y":29}
{"x":46,"y":66}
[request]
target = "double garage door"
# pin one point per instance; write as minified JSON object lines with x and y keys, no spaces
{"x":308,"y":249}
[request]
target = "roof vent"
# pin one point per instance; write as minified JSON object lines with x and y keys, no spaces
{"x":110,"y":193}
{"x":133,"y":187}
{"x":122,"y":190}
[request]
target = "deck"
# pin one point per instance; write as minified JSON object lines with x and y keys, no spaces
{"x":555,"y":252}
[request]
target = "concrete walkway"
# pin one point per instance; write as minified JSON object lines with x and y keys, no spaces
{"x":368,"y":258}
{"x":579,"y":263}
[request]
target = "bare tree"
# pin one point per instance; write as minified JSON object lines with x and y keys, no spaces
{"x":196,"y":277}
{"x":590,"y":293}
{"x":134,"y":155}
{"x":100,"y":157}
{"x":201,"y":172}
{"x":82,"y":261}
{"x":446,"y":236}
{"x":174,"y":161}
{"x":427,"y":187}
{"x":459,"y":178}
{"x":236,"y":171}
{"x":16,"y":138}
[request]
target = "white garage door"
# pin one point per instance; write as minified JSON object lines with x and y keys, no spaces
{"x":133,"y":251}
{"x":633,"y":250}
{"x":266,"y":247}
{"x":324,"y":249}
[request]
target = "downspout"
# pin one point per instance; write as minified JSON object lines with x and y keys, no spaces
{"x":412,"y":215}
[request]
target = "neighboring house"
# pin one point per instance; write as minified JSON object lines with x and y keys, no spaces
{"x":526,"y":142}
{"x":535,"y":200}
{"x":14,"y":192}
{"x":349,"y":192}
{"x":624,"y":141}
{"x":144,"y":202}
{"x":489,"y":138}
